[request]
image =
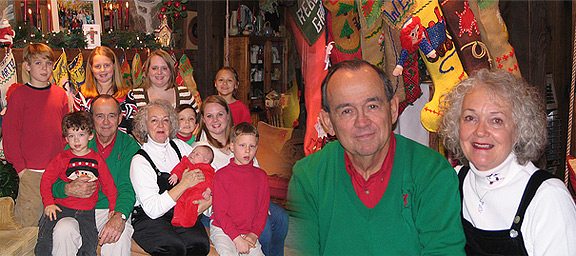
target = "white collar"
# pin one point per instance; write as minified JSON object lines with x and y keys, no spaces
{"x":499,"y":175}
{"x":155,"y":145}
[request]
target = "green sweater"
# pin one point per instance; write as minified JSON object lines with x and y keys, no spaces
{"x":119,"y":164}
{"x":419,"y":214}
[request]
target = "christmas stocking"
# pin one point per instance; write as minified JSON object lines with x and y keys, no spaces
{"x":377,"y":42}
{"x":7,"y":76}
{"x":186,"y":72}
{"x":125,"y":70}
{"x":463,"y":27}
{"x":60,"y":70}
{"x":344,"y":29}
{"x":137,"y":71}
{"x":77,"y":73}
{"x":445,"y":68}
{"x":310,"y":40}
{"x":494,"y":34}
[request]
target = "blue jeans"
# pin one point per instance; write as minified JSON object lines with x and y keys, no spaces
{"x":275,"y":231}
{"x":86,"y":222}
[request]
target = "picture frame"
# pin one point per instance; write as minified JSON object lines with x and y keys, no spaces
{"x":73,"y":14}
{"x":92,"y":34}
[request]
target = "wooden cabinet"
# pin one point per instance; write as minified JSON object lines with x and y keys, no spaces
{"x":261,"y":63}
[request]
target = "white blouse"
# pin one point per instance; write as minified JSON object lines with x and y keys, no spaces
{"x":143,"y":176}
{"x":492,"y":197}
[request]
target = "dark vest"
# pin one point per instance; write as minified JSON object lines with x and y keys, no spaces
{"x":507,"y":241}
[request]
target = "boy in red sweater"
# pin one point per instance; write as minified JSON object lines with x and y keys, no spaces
{"x":78,"y":161}
{"x":32,"y":131}
{"x":241,"y":197}
{"x":185,"y":211}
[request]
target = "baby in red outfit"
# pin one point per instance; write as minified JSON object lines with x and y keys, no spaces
{"x":185,"y":211}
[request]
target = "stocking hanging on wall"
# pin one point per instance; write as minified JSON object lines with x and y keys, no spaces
{"x":343,"y":27}
{"x":186,"y":72}
{"x":77,"y":73}
{"x":377,"y":43}
{"x":310,"y":41}
{"x":60,"y":70}
{"x":445,"y":69}
{"x":423,"y":30}
{"x":125,"y":70}
{"x":137,"y":71}
{"x":463,"y":27}
{"x":7,"y":75}
{"x":494,"y":34}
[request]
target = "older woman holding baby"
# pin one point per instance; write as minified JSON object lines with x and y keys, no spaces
{"x":156,"y":125}
{"x":495,"y":123}
{"x":215,"y":127}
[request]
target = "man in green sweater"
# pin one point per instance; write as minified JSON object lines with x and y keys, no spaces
{"x":117,"y":148}
{"x":372,"y":192}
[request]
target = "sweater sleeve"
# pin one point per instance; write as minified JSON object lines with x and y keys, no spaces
{"x":49,"y":176}
{"x":263,"y":204}
{"x":180,"y":167}
{"x":126,"y":197}
{"x":107,"y":183}
{"x":220,"y":203}
{"x":436,"y":184}
{"x":303,"y":206}
{"x":12,"y":127}
{"x":143,"y":179}
{"x":245,"y":114}
{"x":549,"y":227}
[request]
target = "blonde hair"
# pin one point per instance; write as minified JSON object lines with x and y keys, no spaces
{"x":90,"y":89}
{"x":37,"y":50}
{"x":171,"y":66}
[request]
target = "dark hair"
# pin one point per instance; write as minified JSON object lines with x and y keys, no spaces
{"x":355,"y":64}
{"x":243,"y":128}
{"x":231,"y":69}
{"x":105,"y":97}
{"x":79,"y":120}
{"x":182,"y":107}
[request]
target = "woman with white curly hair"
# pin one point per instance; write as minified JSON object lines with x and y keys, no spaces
{"x":496,"y":124}
{"x":156,"y":125}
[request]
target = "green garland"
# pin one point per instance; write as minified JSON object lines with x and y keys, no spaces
{"x":74,"y":39}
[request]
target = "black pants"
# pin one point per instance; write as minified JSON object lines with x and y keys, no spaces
{"x":86,"y":223}
{"x":159,"y":237}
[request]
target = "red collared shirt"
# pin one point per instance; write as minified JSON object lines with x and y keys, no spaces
{"x":105,"y":151}
{"x":371,"y":191}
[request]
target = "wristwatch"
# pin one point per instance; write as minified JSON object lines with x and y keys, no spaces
{"x":121,"y":215}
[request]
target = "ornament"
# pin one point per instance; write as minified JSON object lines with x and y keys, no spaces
{"x":183,"y":7}
{"x":164,"y":33}
{"x":6,"y":34}
{"x":163,"y":9}
{"x":169,"y":4}
{"x":177,"y":4}
{"x":160,"y":16}
{"x":176,"y":15}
